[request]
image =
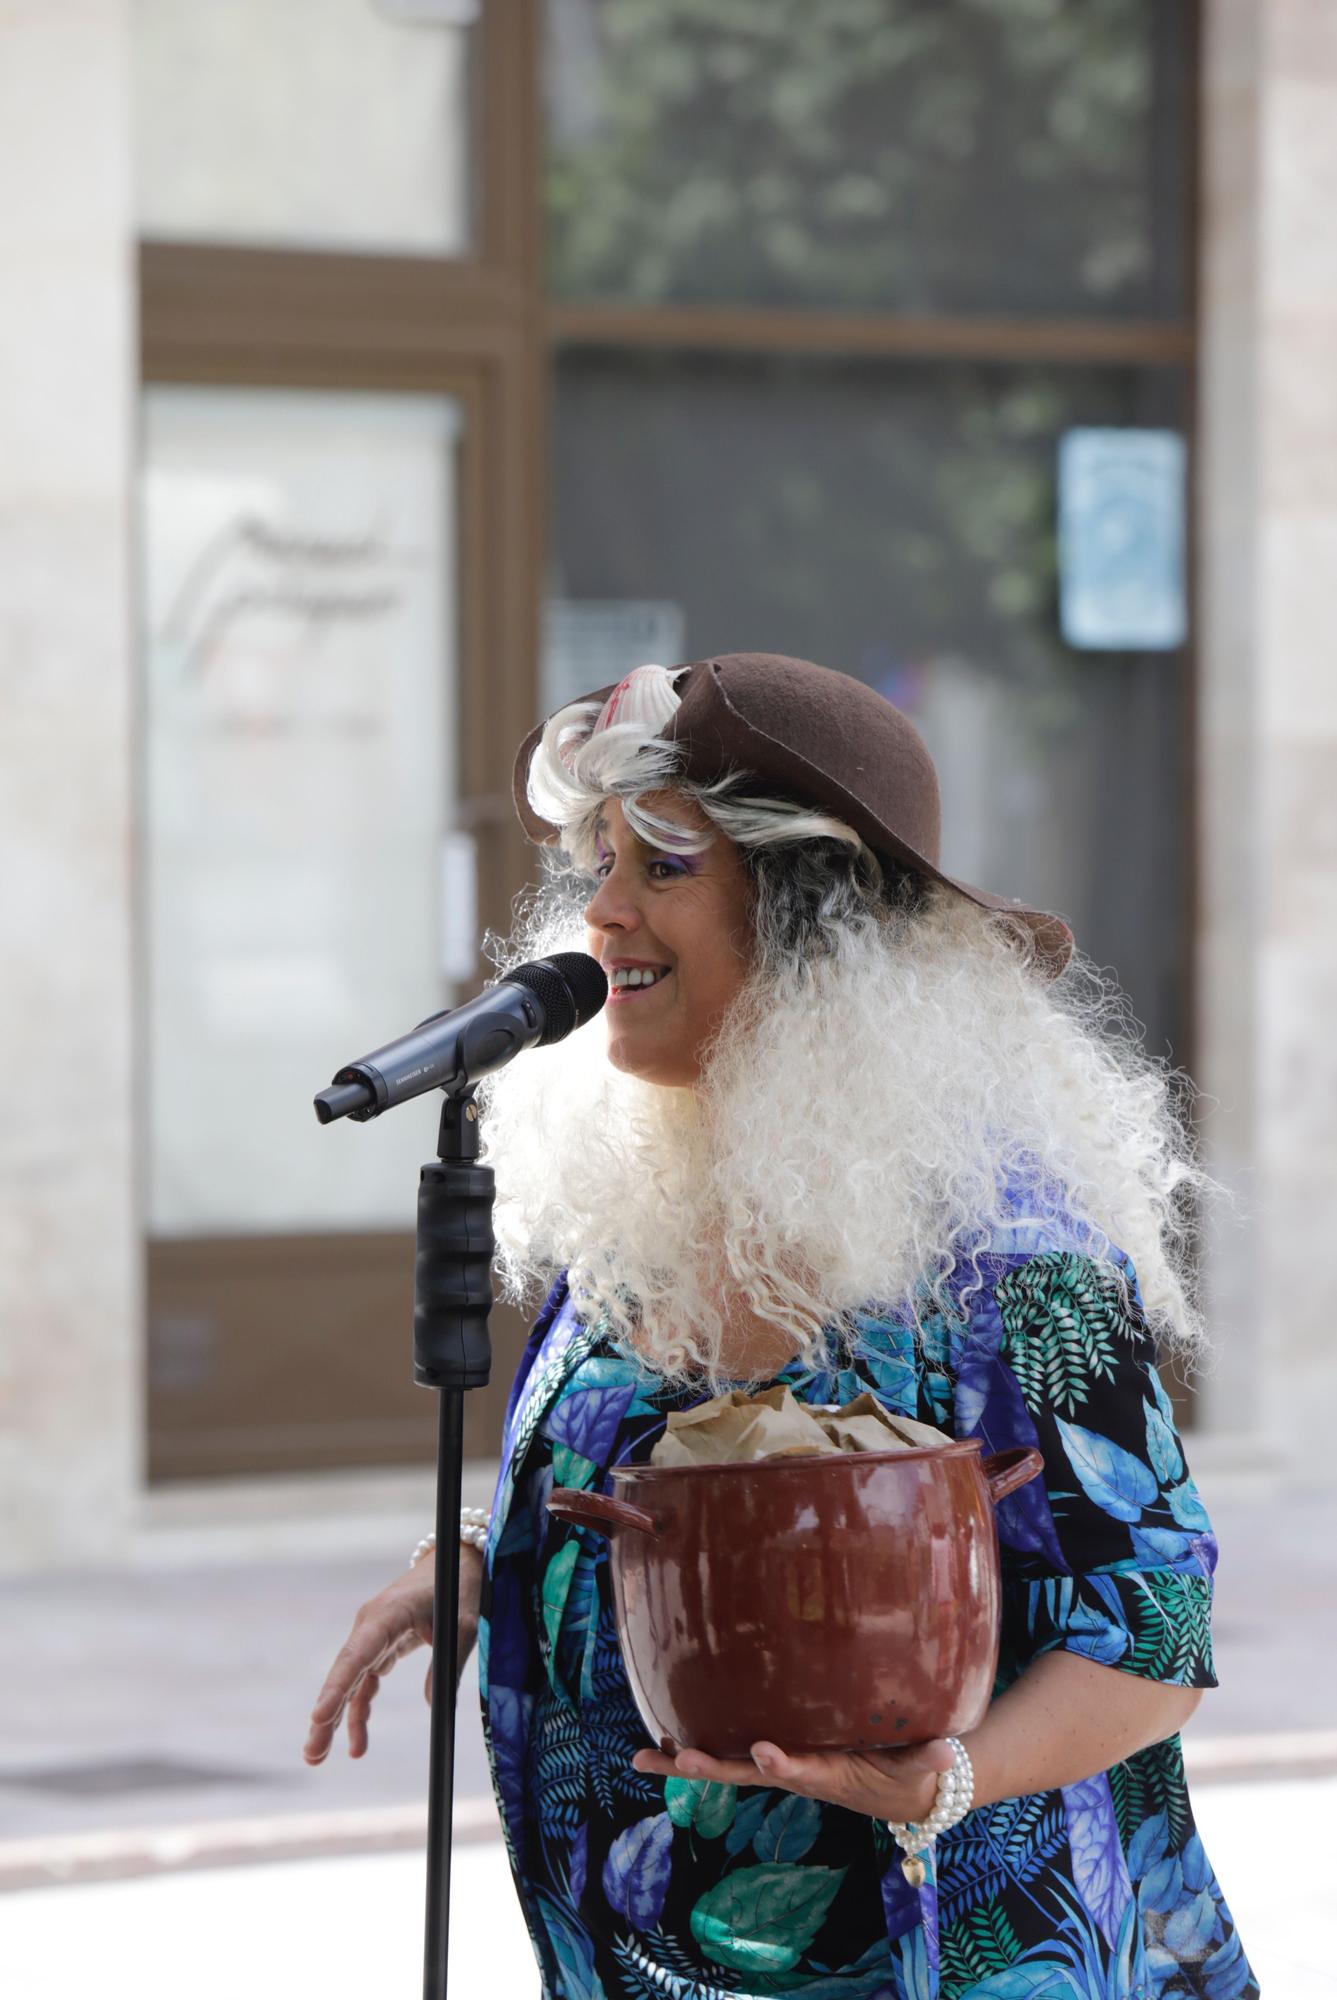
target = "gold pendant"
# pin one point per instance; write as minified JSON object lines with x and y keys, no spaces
{"x":914,"y":1871}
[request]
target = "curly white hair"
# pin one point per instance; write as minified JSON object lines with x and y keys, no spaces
{"x":896,"y":1087}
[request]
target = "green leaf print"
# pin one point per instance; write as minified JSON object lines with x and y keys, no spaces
{"x":569,"y":1468}
{"x":1148,"y":1785}
{"x":1173,"y":1636}
{"x":763,"y":1919}
{"x":1061,"y":1320}
{"x":557,"y":1588}
{"x":978,"y":1944}
{"x":701,"y":1803}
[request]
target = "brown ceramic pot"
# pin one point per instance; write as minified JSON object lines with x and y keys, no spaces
{"x":844,"y":1601}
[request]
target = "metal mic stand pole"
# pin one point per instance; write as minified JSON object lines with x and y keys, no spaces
{"x":452,"y":1352}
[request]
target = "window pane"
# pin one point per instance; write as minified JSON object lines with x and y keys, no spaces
{"x":308,"y":123}
{"x":897,"y":522}
{"x":991,"y":156}
{"x":300,"y":709}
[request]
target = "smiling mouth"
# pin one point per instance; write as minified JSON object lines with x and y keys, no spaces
{"x":621,"y":992}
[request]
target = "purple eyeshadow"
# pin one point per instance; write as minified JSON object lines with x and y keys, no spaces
{"x":681,"y":864}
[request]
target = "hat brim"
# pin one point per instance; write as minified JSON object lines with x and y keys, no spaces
{"x":1054,"y":943}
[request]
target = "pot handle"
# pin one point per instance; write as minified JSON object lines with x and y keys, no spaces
{"x":1005,"y":1471}
{"x":600,"y":1512}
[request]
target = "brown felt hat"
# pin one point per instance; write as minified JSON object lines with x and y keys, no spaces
{"x":821,"y":738}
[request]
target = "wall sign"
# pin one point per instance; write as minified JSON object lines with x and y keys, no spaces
{"x":1121,"y":540}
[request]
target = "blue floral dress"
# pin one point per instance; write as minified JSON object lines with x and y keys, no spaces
{"x":635,"y":1886}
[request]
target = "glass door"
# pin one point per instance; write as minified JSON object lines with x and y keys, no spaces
{"x":306,"y":898}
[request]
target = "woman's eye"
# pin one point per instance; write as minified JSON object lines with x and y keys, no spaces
{"x":658,"y":870}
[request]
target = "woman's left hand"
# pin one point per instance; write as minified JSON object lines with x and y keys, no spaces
{"x":886,"y":1784}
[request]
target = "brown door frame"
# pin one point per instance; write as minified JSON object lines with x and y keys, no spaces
{"x":472,"y":328}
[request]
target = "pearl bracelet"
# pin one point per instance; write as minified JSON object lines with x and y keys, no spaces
{"x":474,"y":1524}
{"x":956,"y":1790}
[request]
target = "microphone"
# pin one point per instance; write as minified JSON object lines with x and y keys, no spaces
{"x":533,"y":1006}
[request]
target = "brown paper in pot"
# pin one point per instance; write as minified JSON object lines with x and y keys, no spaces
{"x":864,"y":1425}
{"x":737,"y":1428}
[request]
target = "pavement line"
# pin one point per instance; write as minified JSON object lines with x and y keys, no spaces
{"x":1288,"y":1753}
{"x":51,"y":1859}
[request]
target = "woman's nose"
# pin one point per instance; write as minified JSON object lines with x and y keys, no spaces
{"x":611,"y":906}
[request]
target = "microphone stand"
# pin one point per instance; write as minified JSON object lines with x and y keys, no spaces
{"x":535,"y":1005}
{"x":452,"y":1352}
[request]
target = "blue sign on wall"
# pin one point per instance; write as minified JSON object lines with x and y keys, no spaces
{"x":1121,"y":540}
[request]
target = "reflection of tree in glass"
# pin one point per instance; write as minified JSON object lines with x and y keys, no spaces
{"x":944,"y":532}
{"x":846,"y":510}
{"x":989,"y":154}
{"x":896,"y":520}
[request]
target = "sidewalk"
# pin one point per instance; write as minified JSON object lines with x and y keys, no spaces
{"x":154,"y":1716}
{"x":175,"y":1691}
{"x":346,"y":1929}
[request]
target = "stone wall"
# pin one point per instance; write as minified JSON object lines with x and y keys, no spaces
{"x":70,"y":1313}
{"x":1267,"y":520}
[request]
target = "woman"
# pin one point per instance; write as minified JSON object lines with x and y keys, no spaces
{"x":852,"y":1126}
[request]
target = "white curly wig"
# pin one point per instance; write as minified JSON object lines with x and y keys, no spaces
{"x":896,"y":1085}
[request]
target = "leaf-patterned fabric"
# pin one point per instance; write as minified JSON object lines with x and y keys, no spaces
{"x":633,"y":1886}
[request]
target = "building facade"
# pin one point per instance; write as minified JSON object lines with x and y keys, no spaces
{"x":382,"y":372}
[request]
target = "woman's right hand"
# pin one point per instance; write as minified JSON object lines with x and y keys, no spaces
{"x":387,"y":1628}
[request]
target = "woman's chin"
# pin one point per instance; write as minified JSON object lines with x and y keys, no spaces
{"x":638,"y":1057}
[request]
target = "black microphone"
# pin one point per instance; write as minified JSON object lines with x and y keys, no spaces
{"x":531,"y":1007}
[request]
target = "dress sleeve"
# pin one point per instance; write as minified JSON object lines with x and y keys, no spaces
{"x":1108,"y":1554}
{"x":538,"y":1333}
